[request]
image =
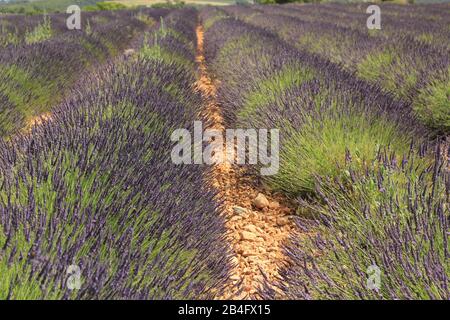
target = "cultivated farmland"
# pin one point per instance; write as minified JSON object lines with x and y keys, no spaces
{"x":125,"y":172}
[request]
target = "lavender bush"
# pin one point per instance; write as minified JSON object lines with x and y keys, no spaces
{"x":393,"y":217}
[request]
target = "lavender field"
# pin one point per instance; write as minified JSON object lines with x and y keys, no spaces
{"x":104,"y":195}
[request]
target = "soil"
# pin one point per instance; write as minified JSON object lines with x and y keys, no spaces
{"x":257,"y":235}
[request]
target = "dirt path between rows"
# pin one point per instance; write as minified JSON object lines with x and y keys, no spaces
{"x":257,"y":230}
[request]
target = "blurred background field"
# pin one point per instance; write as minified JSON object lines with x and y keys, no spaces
{"x":41,"y":6}
{"x":152,"y":2}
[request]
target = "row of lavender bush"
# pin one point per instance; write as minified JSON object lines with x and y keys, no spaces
{"x":94,"y":189}
{"x":348,"y":155}
{"x":35,"y":76}
{"x":321,"y":110}
{"x":406,"y":57}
